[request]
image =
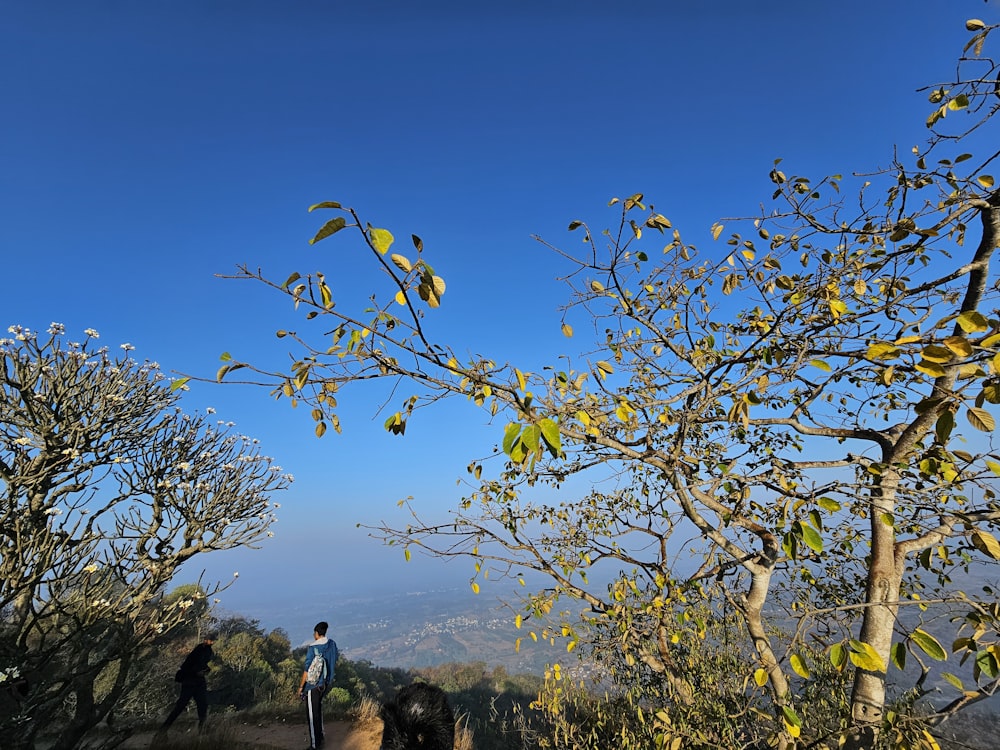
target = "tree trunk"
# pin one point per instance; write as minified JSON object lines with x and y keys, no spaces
{"x":885,"y":574}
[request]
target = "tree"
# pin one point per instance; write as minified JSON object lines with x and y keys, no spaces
{"x":812,"y":406}
{"x":109,"y":488}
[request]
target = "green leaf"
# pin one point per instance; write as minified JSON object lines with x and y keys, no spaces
{"x":897,"y":655}
{"x":331,"y":227}
{"x":551,"y":436}
{"x":791,"y":717}
{"x":382,"y":240}
{"x":987,"y":664}
{"x":985,"y":180}
{"x":953,"y":681}
{"x":929,"y":644}
{"x":324,"y":204}
{"x":838,"y":655}
{"x":291,"y":280}
{"x":179,"y":383}
{"x":812,"y":538}
{"x":827,"y":503}
{"x":980,"y":419}
{"x":510,"y":434}
{"x":820,"y":364}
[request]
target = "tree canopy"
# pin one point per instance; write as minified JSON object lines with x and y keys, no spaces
{"x":807,"y":413}
{"x":109,"y":488}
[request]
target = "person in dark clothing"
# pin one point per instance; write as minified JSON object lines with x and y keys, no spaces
{"x":317,"y":674}
{"x":191,"y":676}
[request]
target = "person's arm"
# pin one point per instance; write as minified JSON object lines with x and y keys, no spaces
{"x":305,"y":671}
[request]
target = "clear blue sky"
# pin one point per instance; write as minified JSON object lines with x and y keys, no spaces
{"x":145,"y":148}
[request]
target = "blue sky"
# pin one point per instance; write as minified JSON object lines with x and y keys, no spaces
{"x":146,"y":148}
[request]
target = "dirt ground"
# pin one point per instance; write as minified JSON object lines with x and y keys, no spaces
{"x":271,"y":735}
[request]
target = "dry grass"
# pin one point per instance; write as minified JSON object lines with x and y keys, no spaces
{"x":366,"y":710}
{"x":463,"y":735}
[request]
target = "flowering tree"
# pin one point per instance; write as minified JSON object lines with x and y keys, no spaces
{"x":108,"y":489}
{"x":808,"y":411}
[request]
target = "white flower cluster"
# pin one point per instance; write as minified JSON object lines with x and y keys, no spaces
{"x":9,"y":673}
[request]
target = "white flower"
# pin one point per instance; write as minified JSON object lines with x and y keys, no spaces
{"x":53,"y":512}
{"x":57,"y":329}
{"x":14,"y":329}
{"x":9,"y":673}
{"x":183,"y":466}
{"x":92,"y":568}
{"x":236,"y":574}
{"x":127,"y":347}
{"x":23,"y":440}
{"x":92,"y":333}
{"x":185,"y":603}
{"x":210,"y":410}
{"x":270,"y":533}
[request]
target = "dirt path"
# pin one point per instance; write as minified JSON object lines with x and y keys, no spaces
{"x":279,"y":735}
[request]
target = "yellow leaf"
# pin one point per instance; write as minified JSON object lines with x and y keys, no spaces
{"x":402,"y":262}
{"x":973,"y":322}
{"x":799,"y":666}
{"x":985,"y":180}
{"x":381,"y":240}
{"x":958,"y":345}
{"x":406,"y":554}
{"x":864,"y":656}
{"x":880,"y":350}
{"x":716,"y":230}
{"x":400,"y":297}
{"x":986,"y":543}
{"x":981,"y":419}
{"x":934,"y":353}
{"x":520,"y":379}
{"x":475,"y":587}
{"x":930,"y":368}
{"x":567,"y":330}
{"x":820,"y":364}
{"x":760,"y":677}
{"x":517,"y":622}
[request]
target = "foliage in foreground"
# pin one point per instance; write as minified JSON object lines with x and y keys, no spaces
{"x":807,"y":415}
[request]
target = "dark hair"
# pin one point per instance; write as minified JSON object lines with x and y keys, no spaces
{"x":211,"y":636}
{"x":321,"y":628}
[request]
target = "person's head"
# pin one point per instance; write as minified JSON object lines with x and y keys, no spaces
{"x":211,"y":637}
{"x":320,"y":629}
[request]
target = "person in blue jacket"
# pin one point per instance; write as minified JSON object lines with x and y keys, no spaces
{"x":317,"y":674}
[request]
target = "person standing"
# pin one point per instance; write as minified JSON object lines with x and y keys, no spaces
{"x":321,"y":658}
{"x":191,"y":676}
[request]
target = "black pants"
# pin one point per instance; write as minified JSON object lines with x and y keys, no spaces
{"x":314,"y":716}
{"x":196,"y":689}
